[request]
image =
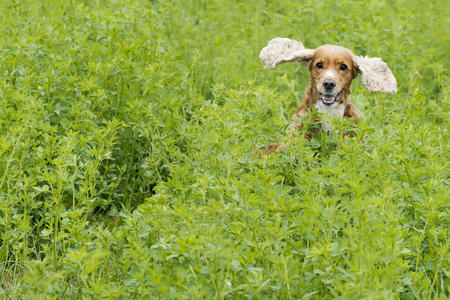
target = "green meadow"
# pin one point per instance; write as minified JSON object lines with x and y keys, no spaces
{"x":127,"y":133}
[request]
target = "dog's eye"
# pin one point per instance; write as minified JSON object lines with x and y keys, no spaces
{"x":319,"y":65}
{"x":343,"y":67}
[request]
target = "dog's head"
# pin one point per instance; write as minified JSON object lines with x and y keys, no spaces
{"x":332,"y":71}
{"x":332,"y":68}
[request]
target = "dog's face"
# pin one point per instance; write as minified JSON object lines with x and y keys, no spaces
{"x":332,"y":71}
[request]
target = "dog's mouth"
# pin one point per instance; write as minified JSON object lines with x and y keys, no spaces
{"x":329,"y":99}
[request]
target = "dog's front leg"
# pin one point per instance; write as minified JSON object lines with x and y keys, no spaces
{"x":351,"y":112}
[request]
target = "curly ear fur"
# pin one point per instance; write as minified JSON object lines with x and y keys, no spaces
{"x":375,"y":75}
{"x":280,"y":50}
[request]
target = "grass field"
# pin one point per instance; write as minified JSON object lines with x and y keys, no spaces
{"x":126,"y":137}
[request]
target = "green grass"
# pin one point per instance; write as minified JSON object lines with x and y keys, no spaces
{"x":126,"y":137}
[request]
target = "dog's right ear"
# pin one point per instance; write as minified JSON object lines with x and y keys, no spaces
{"x":375,"y":75}
{"x":280,"y":50}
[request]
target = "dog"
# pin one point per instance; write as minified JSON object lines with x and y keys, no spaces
{"x":332,"y":70}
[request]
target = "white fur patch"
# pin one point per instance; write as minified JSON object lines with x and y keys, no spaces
{"x":329,"y":74}
{"x":334,"y":109}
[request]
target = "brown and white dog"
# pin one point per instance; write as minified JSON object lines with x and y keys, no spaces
{"x":332,"y":70}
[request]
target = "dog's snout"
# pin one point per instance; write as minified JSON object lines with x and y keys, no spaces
{"x":329,"y":84}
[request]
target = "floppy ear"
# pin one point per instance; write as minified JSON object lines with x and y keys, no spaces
{"x":280,"y":50}
{"x":375,"y":75}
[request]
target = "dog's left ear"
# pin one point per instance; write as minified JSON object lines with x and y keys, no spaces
{"x":280,"y":50}
{"x":375,"y":75}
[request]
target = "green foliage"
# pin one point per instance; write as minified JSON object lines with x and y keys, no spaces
{"x":126,"y":141}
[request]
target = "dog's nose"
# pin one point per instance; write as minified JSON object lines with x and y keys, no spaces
{"x":329,"y":84}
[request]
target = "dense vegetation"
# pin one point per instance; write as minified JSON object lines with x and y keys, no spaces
{"x":126,"y":138}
